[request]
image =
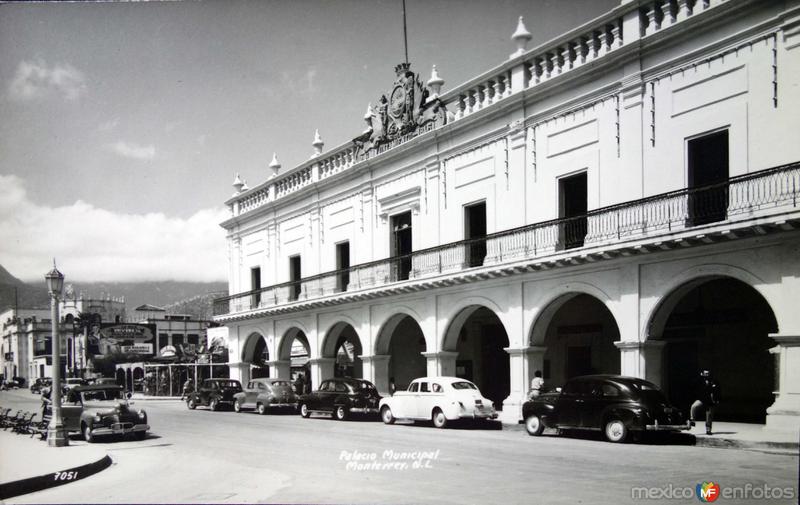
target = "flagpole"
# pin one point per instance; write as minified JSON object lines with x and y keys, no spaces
{"x":405,"y":35}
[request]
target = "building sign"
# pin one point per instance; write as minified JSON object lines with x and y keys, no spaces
{"x":113,"y":338}
{"x":167,"y":351}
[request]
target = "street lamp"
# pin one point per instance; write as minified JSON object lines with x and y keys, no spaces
{"x":56,"y":436}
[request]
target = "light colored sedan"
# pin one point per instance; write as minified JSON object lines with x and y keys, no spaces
{"x":438,"y":399}
{"x":265,"y":394}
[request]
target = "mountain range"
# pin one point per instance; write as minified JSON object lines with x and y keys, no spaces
{"x":176,"y":296}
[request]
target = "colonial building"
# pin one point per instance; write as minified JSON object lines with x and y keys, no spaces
{"x":22,"y":329}
{"x":621,"y":199}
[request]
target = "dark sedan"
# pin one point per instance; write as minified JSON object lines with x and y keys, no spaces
{"x":341,"y":398}
{"x":613,"y":404}
{"x":265,"y":394}
{"x":214,"y":393}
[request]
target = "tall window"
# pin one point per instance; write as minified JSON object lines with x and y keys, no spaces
{"x":572,"y":209}
{"x":401,"y":246}
{"x":294,"y":277}
{"x":475,"y":232}
{"x":255,"y":285}
{"x":342,"y":264}
{"x":707,"y":159}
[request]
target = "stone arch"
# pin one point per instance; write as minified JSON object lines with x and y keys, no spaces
{"x":387,"y":327}
{"x":335,"y":346}
{"x":556,"y":299}
{"x":284,"y":348}
{"x":461,"y":312}
{"x":256,"y":353}
{"x":707,"y":319}
{"x":689,"y":279}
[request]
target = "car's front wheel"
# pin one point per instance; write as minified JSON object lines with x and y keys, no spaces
{"x":533,"y":425}
{"x":439,"y":419}
{"x":237,"y":406}
{"x":304,"y":412}
{"x":87,"y":433}
{"x":615,"y":430}
{"x":340,"y":413}
{"x":386,"y":415}
{"x":191,"y":404}
{"x":261,"y":409}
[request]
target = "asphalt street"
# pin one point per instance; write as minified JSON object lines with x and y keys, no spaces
{"x":204,"y":456}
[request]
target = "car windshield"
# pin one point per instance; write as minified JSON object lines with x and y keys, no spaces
{"x":463,"y":385}
{"x":280,"y":383}
{"x":102,"y":395}
{"x":366,"y":386}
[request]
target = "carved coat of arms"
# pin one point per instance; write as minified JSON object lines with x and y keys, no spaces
{"x":406,"y":110}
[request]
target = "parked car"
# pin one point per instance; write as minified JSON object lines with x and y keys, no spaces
{"x":13,"y":383}
{"x":437,"y":399}
{"x":102,"y":410}
{"x":341,"y":398}
{"x":214,"y":393}
{"x":613,"y":404}
{"x":70,"y":383}
{"x":265,"y":394}
{"x":40,"y":383}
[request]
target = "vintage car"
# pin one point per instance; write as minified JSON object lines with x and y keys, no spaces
{"x":102,"y":410}
{"x":214,"y":393}
{"x":341,"y":398}
{"x":265,"y":394}
{"x":437,"y":399}
{"x":70,"y":383}
{"x":613,"y":404}
{"x":41,"y":383}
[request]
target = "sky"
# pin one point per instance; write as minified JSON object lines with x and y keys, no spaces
{"x":122,"y":125}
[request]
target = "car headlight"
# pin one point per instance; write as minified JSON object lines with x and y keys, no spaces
{"x":97,"y":418}
{"x":142,"y":415}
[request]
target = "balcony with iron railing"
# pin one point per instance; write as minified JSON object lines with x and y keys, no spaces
{"x":738,"y":200}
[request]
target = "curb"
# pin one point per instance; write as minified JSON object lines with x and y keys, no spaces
{"x":53,"y":479}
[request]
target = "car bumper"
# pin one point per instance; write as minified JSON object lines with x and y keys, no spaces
{"x":668,"y":427}
{"x":120,"y":429}
{"x":282,"y":405}
{"x":478,"y":415}
{"x":364,"y":410}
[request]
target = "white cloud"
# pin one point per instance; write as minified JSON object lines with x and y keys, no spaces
{"x":133,"y":150}
{"x":35,"y":79}
{"x":92,"y":244}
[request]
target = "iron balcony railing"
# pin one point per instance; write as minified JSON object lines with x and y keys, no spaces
{"x":752,"y":195}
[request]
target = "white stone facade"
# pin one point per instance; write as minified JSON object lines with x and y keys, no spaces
{"x":620,"y":101}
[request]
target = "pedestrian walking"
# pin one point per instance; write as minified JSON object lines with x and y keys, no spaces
{"x":188,"y":388}
{"x":708,"y":397}
{"x":537,"y":383}
{"x":392,"y":386}
{"x":300,"y":384}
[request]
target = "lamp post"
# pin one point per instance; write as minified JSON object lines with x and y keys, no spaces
{"x":56,"y":436}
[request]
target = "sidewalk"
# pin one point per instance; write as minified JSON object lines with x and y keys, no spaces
{"x":734,"y":436}
{"x":137,"y":397}
{"x":29,"y":464}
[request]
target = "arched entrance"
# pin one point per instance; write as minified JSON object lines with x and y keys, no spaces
{"x":121,"y":378}
{"x":402,"y":339}
{"x":138,"y":379}
{"x":579,"y":337}
{"x":294,"y":349}
{"x":342,"y":344}
{"x":480,"y":339}
{"x":722,"y":325}
{"x":255,"y":353}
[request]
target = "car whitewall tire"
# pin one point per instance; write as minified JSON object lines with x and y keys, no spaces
{"x":191,"y":404}
{"x":534,"y":426}
{"x":261,"y":408}
{"x":386,"y":415}
{"x":87,"y":434}
{"x":304,"y":410}
{"x":439,"y":419}
{"x":615,"y":431}
{"x":237,"y":406}
{"x":213,"y":404}
{"x":340,"y":413}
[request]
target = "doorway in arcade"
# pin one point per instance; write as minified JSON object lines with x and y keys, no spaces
{"x":723,"y":326}
{"x":348,"y":354}
{"x":580,"y":341}
{"x":482,"y":357}
{"x":404,"y":342}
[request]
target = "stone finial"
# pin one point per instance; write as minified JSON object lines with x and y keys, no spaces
{"x":368,"y":117}
{"x":245,"y":187}
{"x":238,"y":184}
{"x":435,"y":82}
{"x":317,"y":144}
{"x":274,"y":164}
{"x":521,"y":36}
